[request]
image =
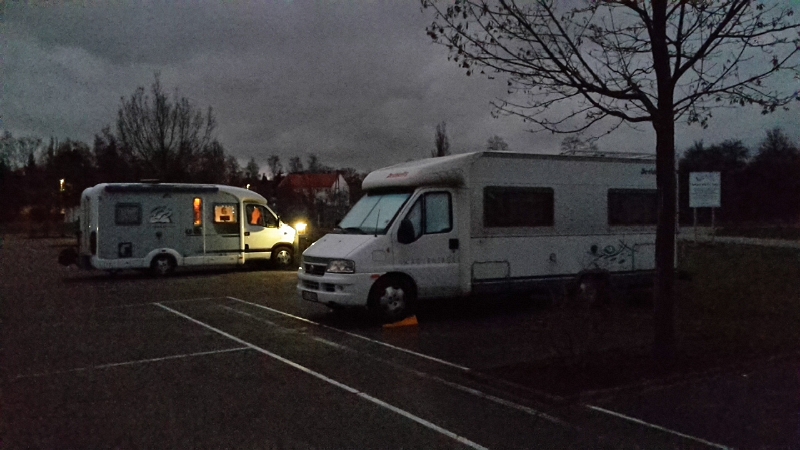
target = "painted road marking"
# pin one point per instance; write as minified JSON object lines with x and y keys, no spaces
{"x":657,"y":427}
{"x":134,"y":305}
{"x":256,"y":318}
{"x":130,"y":363}
{"x":474,"y":391}
{"x":421,"y":374}
{"x":268,"y":322}
{"x":331,"y":381}
{"x":401,"y":349}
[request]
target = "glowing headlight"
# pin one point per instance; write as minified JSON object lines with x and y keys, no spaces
{"x":300,"y":227}
{"x":341,"y":266}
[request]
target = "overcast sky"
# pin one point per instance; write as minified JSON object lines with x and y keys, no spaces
{"x":356,"y":82}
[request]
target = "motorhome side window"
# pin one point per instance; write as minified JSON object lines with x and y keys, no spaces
{"x":259,"y":216}
{"x":510,"y":206}
{"x":431,"y":214}
{"x":632,"y":207}
{"x":128,"y":214}
{"x":225,"y":213}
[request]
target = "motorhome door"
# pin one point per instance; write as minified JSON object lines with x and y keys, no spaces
{"x":429,"y":251}
{"x":260,"y":231}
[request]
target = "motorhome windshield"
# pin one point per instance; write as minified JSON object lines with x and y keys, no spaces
{"x":373,"y":213}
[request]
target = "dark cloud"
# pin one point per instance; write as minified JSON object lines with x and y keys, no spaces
{"x":356,"y":82}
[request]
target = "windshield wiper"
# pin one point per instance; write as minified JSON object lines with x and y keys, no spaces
{"x":354,"y":230}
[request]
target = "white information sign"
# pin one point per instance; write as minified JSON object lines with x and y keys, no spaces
{"x":704,"y":190}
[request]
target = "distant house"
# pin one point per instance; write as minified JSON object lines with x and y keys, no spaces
{"x":331,"y":189}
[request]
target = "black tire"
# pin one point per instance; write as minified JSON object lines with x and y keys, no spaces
{"x":282,"y":258}
{"x":392,"y":298}
{"x":162,"y":265}
{"x":592,"y":290}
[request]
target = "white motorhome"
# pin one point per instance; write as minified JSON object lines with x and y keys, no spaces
{"x":487,"y":222}
{"x":160,"y":226}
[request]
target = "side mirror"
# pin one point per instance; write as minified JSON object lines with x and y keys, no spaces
{"x":405,"y":233}
{"x":272,"y":221}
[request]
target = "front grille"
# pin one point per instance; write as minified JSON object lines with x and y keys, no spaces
{"x":311,"y":285}
{"x":314,"y":265}
{"x":315,"y":269}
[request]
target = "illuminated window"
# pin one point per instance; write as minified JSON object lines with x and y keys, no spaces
{"x":198,"y":212}
{"x":632,"y":207}
{"x":255,"y":215}
{"x":225,"y":213}
{"x":517,"y":206}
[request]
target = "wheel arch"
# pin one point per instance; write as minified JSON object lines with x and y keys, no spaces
{"x":278,"y":245}
{"x":163,"y":251}
{"x":601,"y":274}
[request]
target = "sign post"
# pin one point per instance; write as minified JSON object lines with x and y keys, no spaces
{"x":704,"y":192}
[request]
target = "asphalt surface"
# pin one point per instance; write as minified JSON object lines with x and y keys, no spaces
{"x":230,"y":358}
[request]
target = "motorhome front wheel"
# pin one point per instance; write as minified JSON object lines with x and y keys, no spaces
{"x":391,"y":298}
{"x":282,"y":258}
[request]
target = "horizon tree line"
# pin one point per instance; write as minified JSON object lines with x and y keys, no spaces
{"x":157,"y":137}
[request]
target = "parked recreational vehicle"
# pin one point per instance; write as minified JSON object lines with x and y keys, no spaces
{"x":487,"y":222}
{"x":160,"y":226}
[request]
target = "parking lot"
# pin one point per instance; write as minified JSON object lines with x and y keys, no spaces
{"x":230,"y":358}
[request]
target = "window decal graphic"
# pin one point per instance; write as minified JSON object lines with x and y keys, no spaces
{"x":161,"y":214}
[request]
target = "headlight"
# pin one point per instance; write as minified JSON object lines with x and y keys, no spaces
{"x":341,"y":266}
{"x":300,"y":227}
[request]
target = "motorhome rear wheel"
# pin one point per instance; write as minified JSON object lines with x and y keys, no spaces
{"x":163,"y":265}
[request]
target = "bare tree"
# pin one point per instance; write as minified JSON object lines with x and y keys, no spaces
{"x":251,"y":170}
{"x":634,"y":61}
{"x":233,"y":171}
{"x":314,"y":166}
{"x":163,"y":135}
{"x":497,"y":144}
{"x":16,"y":152}
{"x":441,"y":141}
{"x":295,"y":164}
{"x":573,"y":145}
{"x":275,"y":167}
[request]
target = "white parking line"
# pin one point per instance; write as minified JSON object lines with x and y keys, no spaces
{"x":331,"y":381}
{"x":425,"y":375}
{"x":129,"y":363}
{"x":134,"y":305}
{"x":475,"y":391}
{"x":656,"y":427}
{"x":401,"y":349}
{"x":256,"y":318}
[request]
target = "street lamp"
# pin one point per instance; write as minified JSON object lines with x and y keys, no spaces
{"x":61,"y":185}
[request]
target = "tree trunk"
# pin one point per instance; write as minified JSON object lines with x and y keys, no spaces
{"x":664,"y":124}
{"x":664,"y":295}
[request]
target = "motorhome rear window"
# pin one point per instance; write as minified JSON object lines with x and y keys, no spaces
{"x":225,"y":213}
{"x":632,"y":207}
{"x":511,"y":206}
{"x":128,"y":214}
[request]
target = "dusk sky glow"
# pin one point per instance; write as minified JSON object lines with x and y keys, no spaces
{"x":356,"y":82}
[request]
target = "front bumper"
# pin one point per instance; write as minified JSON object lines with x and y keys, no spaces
{"x":335,"y":289}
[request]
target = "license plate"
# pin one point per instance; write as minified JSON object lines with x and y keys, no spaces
{"x":310,"y":296}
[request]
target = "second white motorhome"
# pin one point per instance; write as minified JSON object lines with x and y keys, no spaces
{"x":160,"y":226}
{"x":487,"y":222}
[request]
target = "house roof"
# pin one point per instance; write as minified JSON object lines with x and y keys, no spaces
{"x":310,"y":181}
